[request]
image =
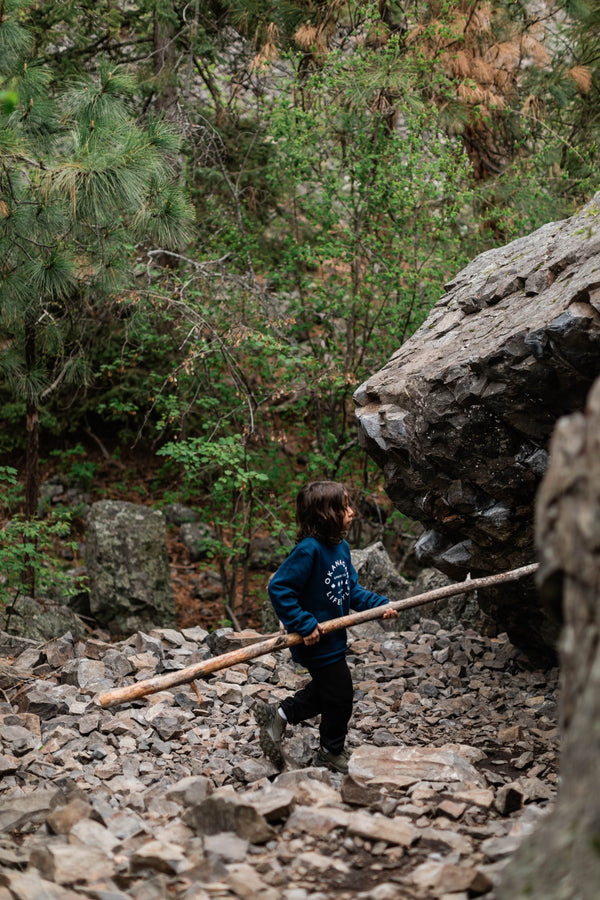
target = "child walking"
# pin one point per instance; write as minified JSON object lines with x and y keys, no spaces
{"x":317,"y":582}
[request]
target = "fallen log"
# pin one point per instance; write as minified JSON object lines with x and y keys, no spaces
{"x":282,"y":641}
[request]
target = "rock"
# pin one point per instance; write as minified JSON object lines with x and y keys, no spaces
{"x":162,"y":856}
{"x":267,"y":553}
{"x":229,"y":812}
{"x":190,"y":791}
{"x":509,"y":798}
{"x":67,"y":864}
{"x":377,"y":573}
{"x":226,"y":845}
{"x":62,"y":820}
{"x":42,"y":703}
{"x":561,"y":858}
{"x":57,"y":652}
{"x":460,"y":610}
{"x":460,"y":418}
{"x":223,"y":640}
{"x":12,"y":645}
{"x":166,"y":796}
{"x":396,"y":830}
{"x":247,"y":884}
{"x":30,"y":885}
{"x":128,"y":567}
{"x":403,"y":766}
{"x":317,"y":821}
{"x":31,"y":807}
{"x":356,"y":794}
{"x":449,"y":878}
{"x":274,"y":803}
{"x":198,"y":539}
{"x":83,"y":672}
{"x":92,"y":834}
{"x":42,"y":620}
{"x":178,"y":513}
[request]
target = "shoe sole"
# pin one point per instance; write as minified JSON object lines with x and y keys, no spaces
{"x":269,"y":747}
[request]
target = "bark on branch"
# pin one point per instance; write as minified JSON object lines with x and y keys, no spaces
{"x":281,"y":641}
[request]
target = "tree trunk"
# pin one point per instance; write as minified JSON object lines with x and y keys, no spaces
{"x":164,"y":62}
{"x":32,"y":458}
{"x":32,"y":453}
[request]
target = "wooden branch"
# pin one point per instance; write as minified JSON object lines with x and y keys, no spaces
{"x":281,"y":641}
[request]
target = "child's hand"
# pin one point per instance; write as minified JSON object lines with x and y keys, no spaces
{"x":390,"y":614}
{"x":313,"y":637}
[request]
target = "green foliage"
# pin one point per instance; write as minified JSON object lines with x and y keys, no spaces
{"x":234,"y":501}
{"x":28,"y":551}
{"x":370,"y":192}
{"x":73,"y":464}
{"x":79,"y":177}
{"x":331,"y":205}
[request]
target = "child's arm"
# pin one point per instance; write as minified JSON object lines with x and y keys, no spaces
{"x":285,"y":589}
{"x":361,"y":598}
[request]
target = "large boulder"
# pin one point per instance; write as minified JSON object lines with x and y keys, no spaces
{"x":42,"y":620}
{"x":460,"y":417}
{"x":562,"y":859}
{"x":128,"y":567}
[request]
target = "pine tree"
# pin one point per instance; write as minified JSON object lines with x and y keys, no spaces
{"x":80,"y":179}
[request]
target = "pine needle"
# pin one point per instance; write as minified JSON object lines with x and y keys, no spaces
{"x":582,"y":76}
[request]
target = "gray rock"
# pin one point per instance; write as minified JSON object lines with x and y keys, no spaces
{"x":393,"y":830}
{"x":83,"y":672}
{"x":227,"y":845}
{"x":173,"y":797}
{"x":57,"y":652}
{"x":191,"y":790}
{"x":62,"y":820}
{"x":30,"y":885}
{"x":43,"y":620}
{"x":230,"y":812}
{"x":31,"y":807}
{"x":178,"y":513}
{"x":561,"y":858}
{"x":69,"y":864}
{"x":460,"y":417}
{"x":162,"y":856}
{"x":198,"y":539}
{"x":404,"y":766}
{"x":377,"y":573}
{"x":128,"y":567}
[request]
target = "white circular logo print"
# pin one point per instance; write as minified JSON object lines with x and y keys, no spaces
{"x":337,"y":583}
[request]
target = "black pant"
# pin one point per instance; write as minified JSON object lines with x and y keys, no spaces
{"x":329,"y":694}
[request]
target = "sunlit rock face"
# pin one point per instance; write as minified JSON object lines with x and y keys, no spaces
{"x":460,"y":417}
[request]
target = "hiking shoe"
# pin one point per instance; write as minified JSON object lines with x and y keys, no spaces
{"x":338,"y":762}
{"x":272,"y":729}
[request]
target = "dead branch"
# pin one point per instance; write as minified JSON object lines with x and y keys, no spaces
{"x":281,"y":641}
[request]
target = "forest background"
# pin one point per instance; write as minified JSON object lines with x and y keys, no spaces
{"x":218,"y":218}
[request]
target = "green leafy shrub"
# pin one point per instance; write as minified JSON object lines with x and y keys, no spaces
{"x":28,"y":552}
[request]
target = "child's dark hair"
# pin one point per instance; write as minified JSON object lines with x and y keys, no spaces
{"x":320,"y":508}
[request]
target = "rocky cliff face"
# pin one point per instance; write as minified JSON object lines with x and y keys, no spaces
{"x":562,"y":861}
{"x":460,"y":417}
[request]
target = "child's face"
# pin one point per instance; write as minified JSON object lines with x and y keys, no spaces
{"x":348,"y":516}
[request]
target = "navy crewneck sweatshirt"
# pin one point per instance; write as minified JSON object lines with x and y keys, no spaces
{"x":318,"y":582}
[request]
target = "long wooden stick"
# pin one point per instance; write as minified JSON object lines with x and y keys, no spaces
{"x":281,"y":641}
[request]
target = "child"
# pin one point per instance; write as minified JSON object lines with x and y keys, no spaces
{"x":317,"y":582}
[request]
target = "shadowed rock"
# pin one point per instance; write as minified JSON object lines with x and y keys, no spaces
{"x":562,"y":861}
{"x":460,"y":417}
